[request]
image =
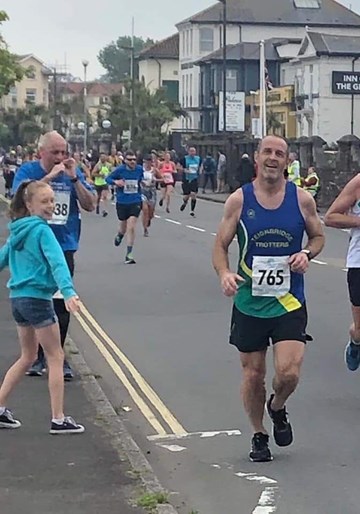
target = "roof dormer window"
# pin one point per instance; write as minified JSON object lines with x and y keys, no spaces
{"x":307,"y":4}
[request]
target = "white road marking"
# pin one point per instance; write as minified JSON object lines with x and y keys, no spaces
{"x":345,"y":269}
{"x":213,"y":233}
{"x":267,"y":500}
{"x":202,"y":435}
{"x":157,"y":217}
{"x":322,"y":263}
{"x":172,"y":221}
{"x":347,"y":230}
{"x":172,"y":447}
{"x":196,"y":228}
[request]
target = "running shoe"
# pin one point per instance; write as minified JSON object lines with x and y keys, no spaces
{"x":68,"y":372}
{"x":182,"y":208}
{"x":260,"y":451}
{"x":283,"y":434}
{"x":37,"y":369}
{"x":352,"y":356}
{"x":118,"y":239}
{"x":161,"y":202}
{"x":129,"y":259}
{"x":192,"y":213}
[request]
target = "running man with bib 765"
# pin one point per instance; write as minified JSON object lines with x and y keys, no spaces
{"x":269,"y":216}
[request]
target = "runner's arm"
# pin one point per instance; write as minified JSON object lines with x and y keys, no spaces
{"x":338,"y":215}
{"x":226,"y":232}
{"x":84,"y":193}
{"x":314,"y":229}
{"x":113,"y":177}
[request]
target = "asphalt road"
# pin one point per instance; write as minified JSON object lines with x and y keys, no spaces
{"x":168,"y":316}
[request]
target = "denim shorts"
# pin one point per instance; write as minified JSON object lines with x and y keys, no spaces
{"x":33,"y":312}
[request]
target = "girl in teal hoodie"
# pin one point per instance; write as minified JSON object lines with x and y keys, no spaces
{"x":37,"y":270}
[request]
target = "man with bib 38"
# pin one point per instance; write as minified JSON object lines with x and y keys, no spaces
{"x":269,"y":216}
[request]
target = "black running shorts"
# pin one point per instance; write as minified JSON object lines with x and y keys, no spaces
{"x":126,"y":211}
{"x":190,"y":187}
{"x":353,"y":280}
{"x":251,"y":334}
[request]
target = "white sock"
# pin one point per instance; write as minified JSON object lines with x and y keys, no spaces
{"x":2,"y":410}
{"x":59,"y":421}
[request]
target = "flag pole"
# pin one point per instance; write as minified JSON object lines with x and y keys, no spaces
{"x":262,"y":90}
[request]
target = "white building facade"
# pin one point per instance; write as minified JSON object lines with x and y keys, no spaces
{"x":249,"y":21}
{"x":159,"y":68}
{"x":320,"y":111}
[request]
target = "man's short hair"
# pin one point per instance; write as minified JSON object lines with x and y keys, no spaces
{"x":273,"y":135}
{"x":129,"y":153}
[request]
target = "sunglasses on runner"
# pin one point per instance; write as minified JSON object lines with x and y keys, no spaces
{"x":131,"y":158}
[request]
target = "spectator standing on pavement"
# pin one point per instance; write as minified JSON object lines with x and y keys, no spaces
{"x":9,"y":170}
{"x":71,"y":191}
{"x":221,"y":172}
{"x":209,"y":171}
{"x":37,"y":269}
{"x":294,"y":169}
{"x":245,"y":172}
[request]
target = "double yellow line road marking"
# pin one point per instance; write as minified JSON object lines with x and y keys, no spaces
{"x":103,"y":343}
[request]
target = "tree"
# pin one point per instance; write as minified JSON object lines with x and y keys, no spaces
{"x":115,"y":57}
{"x":151,"y":114}
{"x":10,"y":69}
{"x":23,"y":126}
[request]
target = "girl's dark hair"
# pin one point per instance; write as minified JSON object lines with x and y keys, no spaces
{"x":24,"y":194}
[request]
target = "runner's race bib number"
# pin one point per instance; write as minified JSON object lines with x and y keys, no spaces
{"x":270,"y":276}
{"x":61,"y":208}
{"x":193,"y":169}
{"x":131,"y":187}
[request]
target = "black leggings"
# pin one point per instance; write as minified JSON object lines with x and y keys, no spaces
{"x":60,"y":309}
{"x":208,"y":177}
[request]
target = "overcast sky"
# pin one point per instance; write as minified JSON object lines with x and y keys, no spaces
{"x":71,"y":30}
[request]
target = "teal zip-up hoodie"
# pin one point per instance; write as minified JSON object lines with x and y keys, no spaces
{"x":36,"y":261}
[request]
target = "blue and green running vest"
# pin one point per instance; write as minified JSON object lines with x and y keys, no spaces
{"x":269,"y":232}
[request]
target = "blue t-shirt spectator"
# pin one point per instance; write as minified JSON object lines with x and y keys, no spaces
{"x":66,"y":218}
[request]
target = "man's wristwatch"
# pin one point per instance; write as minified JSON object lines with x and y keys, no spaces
{"x":74,"y":180}
{"x":307,"y":253}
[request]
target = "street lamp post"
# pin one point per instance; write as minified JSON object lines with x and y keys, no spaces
{"x":85,"y":64}
{"x":224,"y":43}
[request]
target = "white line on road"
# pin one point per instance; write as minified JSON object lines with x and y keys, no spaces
{"x":157,"y":216}
{"x":196,"y":228}
{"x":347,"y":230}
{"x":267,"y":500}
{"x":172,"y":447}
{"x":213,"y":233}
{"x":202,"y":435}
{"x":172,"y":221}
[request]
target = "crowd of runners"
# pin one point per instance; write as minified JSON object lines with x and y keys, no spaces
{"x":269,"y":215}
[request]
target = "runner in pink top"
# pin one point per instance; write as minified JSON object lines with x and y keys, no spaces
{"x":167,"y":169}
